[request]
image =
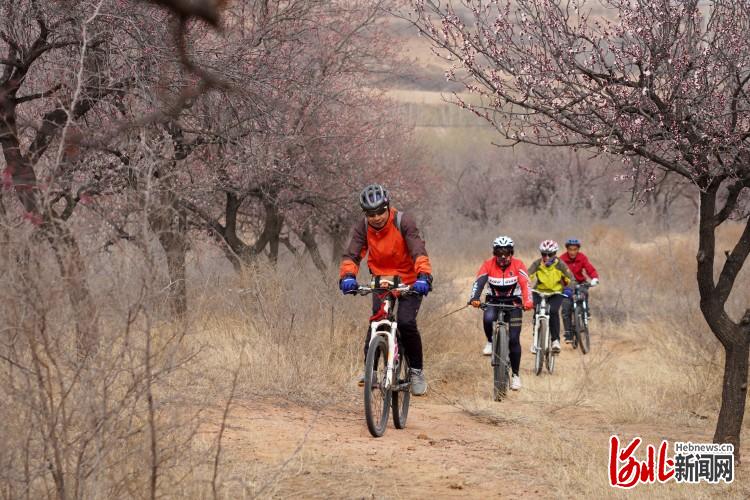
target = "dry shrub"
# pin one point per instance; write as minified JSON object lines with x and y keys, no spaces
{"x":116,"y":420}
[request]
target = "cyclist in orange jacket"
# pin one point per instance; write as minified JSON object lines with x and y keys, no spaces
{"x":394,"y":247}
{"x":508,"y":283}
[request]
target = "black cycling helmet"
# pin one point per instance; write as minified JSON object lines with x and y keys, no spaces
{"x":373,"y":197}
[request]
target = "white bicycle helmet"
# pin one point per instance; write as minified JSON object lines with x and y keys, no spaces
{"x":502,"y":241}
{"x":549,"y":246}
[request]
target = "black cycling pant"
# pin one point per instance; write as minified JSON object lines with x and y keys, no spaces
{"x":554,"y":303}
{"x":567,"y":313}
{"x":406,"y":320}
{"x":514,"y":318}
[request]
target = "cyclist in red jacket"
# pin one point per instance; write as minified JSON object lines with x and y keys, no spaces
{"x":583,"y":271}
{"x":508,"y":283}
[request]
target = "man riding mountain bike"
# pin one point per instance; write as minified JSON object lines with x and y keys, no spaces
{"x":394,"y":247}
{"x":508,"y":284}
{"x":552,"y":275}
{"x":582,"y":269}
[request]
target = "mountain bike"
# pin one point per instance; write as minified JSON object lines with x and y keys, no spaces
{"x":581,"y":318}
{"x":500,"y":359}
{"x":542,"y":341}
{"x":387,"y":377}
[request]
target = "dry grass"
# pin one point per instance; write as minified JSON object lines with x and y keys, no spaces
{"x":655,"y":370}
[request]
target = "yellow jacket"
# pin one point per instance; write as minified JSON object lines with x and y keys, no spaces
{"x":550,"y":279}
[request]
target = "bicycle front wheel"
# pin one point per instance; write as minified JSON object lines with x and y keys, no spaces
{"x":500,"y":357}
{"x":541,"y":346}
{"x":582,"y":332}
{"x":400,"y":398}
{"x":377,"y":396}
{"x":551,"y":361}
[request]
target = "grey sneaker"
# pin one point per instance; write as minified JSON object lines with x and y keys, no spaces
{"x":555,"y":346}
{"x":515,"y":383}
{"x":418,"y":383}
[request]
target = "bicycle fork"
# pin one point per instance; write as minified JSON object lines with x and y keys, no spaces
{"x":541,"y":315}
{"x":390,"y":336}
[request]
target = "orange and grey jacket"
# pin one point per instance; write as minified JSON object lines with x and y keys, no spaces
{"x":390,"y":252}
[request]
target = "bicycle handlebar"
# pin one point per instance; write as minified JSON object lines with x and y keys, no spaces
{"x":485,"y":305}
{"x":366,"y":290}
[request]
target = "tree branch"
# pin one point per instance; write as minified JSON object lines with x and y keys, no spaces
{"x":40,"y":95}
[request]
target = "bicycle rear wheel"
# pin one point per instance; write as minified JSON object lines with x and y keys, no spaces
{"x":377,"y":398}
{"x":582,"y":332}
{"x":500,"y":362}
{"x":541,"y":342}
{"x":400,"y":398}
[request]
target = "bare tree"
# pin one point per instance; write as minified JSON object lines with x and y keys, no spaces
{"x":662,"y":81}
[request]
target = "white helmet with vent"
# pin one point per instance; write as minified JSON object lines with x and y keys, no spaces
{"x":502,"y":242}
{"x":549,"y":246}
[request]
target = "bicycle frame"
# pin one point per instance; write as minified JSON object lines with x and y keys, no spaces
{"x":542,"y":312}
{"x":581,"y":298}
{"x":500,"y":319}
{"x":500,"y":359}
{"x":389,"y":322}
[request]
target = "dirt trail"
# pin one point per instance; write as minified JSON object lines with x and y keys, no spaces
{"x":545,"y":441}
{"x":444,"y":451}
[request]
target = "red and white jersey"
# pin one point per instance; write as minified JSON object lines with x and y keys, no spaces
{"x":511,"y":282}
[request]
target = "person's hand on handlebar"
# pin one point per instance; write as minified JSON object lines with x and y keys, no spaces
{"x":475,"y":303}
{"x":422,"y":285}
{"x":594,"y":281}
{"x":348,"y":284}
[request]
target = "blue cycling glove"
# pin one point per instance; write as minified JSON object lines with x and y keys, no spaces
{"x":348,"y":284}
{"x":568,"y":292}
{"x":422,"y":285}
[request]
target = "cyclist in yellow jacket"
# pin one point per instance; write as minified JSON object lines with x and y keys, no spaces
{"x":551,"y":275}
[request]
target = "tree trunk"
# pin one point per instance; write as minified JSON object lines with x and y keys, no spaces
{"x":337,"y":246}
{"x":169,"y":223}
{"x":274,"y":225}
{"x":734,"y":337}
{"x":308,"y":238}
{"x":73,"y":271}
{"x":733,"y":396}
{"x":175,"y":247}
